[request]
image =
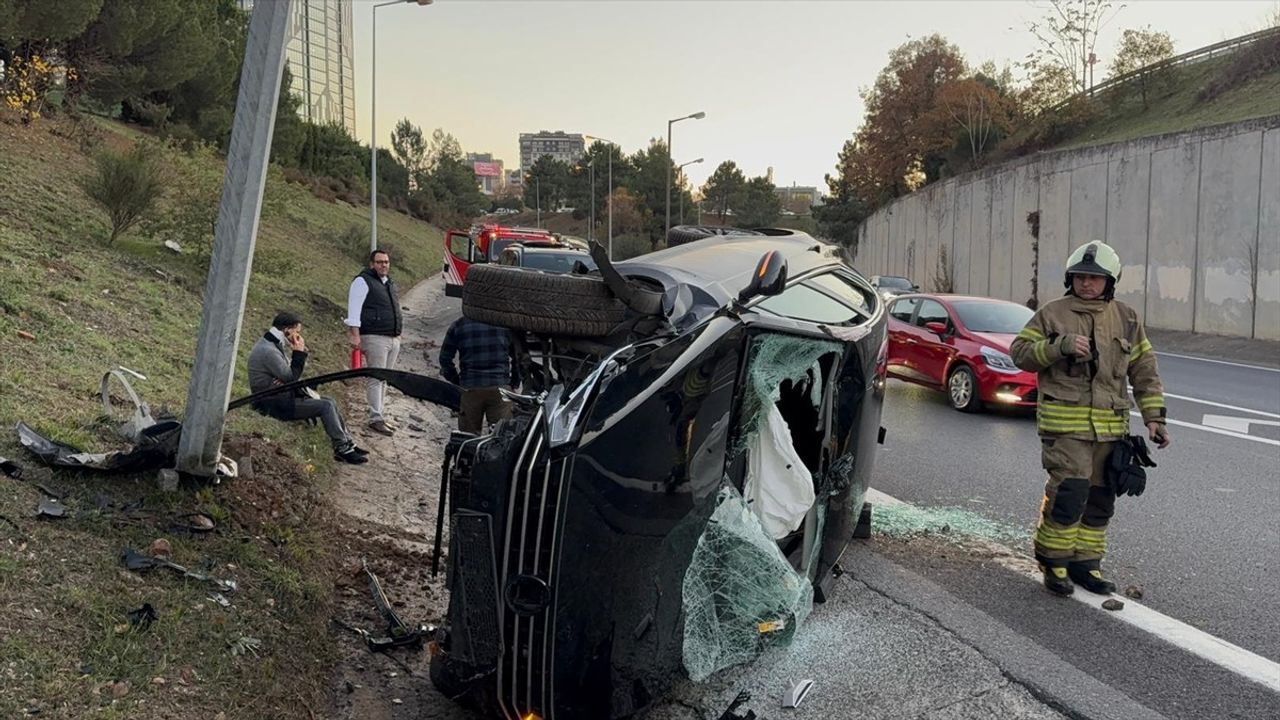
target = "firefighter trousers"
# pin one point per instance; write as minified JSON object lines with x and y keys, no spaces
{"x":1078,"y":501}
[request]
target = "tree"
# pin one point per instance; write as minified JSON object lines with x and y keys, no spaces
{"x":839,"y":217}
{"x":976,"y":115}
{"x":1067,"y":36}
{"x":900,"y":146}
{"x":442,"y":146}
{"x":760,"y":204}
{"x":1046,"y":86}
{"x":290,"y":131}
{"x":649,"y":183}
{"x":1138,"y":49}
{"x":125,"y":185}
{"x":723,"y":189}
{"x":410,"y":148}
{"x":206,"y":101}
{"x":546,"y":183}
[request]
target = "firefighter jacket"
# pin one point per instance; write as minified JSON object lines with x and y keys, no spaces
{"x":1087,"y":397}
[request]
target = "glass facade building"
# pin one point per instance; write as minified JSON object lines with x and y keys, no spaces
{"x":321,"y":57}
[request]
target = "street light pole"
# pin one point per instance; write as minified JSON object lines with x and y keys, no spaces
{"x":609,"y":197}
{"x":681,"y":168}
{"x":373,"y":120}
{"x":591,"y":178}
{"x":695,"y":116}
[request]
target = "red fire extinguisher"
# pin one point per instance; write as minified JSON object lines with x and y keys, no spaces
{"x":356,"y":359}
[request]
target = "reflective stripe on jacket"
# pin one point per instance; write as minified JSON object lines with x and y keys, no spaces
{"x":1084,"y":397}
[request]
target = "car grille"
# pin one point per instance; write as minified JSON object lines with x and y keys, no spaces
{"x":478,"y":582}
{"x":525,"y":684}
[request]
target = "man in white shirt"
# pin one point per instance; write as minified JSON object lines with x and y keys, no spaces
{"x":374,"y":325}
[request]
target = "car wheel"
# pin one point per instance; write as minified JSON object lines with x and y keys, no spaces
{"x":962,"y":390}
{"x":542,"y":303}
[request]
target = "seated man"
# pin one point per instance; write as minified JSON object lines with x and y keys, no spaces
{"x":270,"y":365}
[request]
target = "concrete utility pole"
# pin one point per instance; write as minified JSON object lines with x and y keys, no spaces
{"x":234,"y":238}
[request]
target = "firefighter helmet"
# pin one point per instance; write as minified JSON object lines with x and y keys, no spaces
{"x":1094,"y":258}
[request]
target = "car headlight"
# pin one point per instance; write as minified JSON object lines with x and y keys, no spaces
{"x":998,"y":361}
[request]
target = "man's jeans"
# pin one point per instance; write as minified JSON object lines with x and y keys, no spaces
{"x":380,"y":351}
{"x":327,"y":410}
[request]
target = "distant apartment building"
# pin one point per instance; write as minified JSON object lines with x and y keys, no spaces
{"x":562,"y":146}
{"x":799,"y":198}
{"x":489,"y":173}
{"x":321,"y":57}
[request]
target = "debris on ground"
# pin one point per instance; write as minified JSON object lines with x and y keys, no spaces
{"x":906,"y":521}
{"x":796,"y":694}
{"x":194,"y":523}
{"x":51,"y":508}
{"x":26,"y":335}
{"x":143,"y":616}
{"x":731,"y":712}
{"x":1133,"y":591}
{"x":245,"y":645}
{"x":138,"y":562}
{"x":398,"y":633}
{"x":10,"y":468}
{"x":1112,"y":604}
{"x":173,"y":246}
{"x":160,"y":547}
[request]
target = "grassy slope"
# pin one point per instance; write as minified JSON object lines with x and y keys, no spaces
{"x":1175,"y":108}
{"x":91,"y":307}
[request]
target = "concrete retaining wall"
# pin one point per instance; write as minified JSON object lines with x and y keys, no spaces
{"x":1195,"y":217}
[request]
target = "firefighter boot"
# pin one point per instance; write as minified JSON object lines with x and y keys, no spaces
{"x":1088,"y":575}
{"x":1056,"y":580}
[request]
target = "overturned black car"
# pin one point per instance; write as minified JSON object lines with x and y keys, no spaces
{"x":683,"y":472}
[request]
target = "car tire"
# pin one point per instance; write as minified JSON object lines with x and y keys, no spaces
{"x":962,"y":390}
{"x":684,"y":234}
{"x":541,"y":303}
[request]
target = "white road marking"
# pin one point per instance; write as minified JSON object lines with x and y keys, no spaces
{"x":1236,"y":424}
{"x":1246,"y":664}
{"x":1219,"y":362}
{"x":1224,"y":406}
{"x":1216,"y":431}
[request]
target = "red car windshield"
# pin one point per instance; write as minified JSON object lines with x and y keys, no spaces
{"x":992,"y":317}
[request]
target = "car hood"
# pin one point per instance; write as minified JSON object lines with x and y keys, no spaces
{"x":999,"y":341}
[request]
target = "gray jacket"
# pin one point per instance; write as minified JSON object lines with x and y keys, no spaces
{"x":268,"y":366}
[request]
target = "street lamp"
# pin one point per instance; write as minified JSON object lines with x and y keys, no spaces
{"x":678,"y":168}
{"x":696,"y":116}
{"x":373,"y":120}
{"x":609,"y":197}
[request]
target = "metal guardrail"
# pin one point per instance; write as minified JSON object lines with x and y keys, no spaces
{"x":1187,"y":58}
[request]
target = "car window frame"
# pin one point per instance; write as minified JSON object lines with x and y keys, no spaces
{"x":911,"y":321}
{"x":863,"y":317}
{"x":915,"y":316}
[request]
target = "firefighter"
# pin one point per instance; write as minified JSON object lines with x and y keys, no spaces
{"x":1086,"y":348}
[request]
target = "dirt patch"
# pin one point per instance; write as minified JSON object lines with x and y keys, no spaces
{"x":388,"y":509}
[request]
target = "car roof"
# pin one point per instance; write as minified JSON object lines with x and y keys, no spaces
{"x":549,"y":249}
{"x":722,"y":264}
{"x":952,"y":297}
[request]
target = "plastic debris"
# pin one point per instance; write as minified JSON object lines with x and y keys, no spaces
{"x":10,"y":468}
{"x":731,"y":712}
{"x":138,"y":562}
{"x":143,"y":616}
{"x":796,"y":694}
{"x":51,"y":508}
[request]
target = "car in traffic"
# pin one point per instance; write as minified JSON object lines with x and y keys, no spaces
{"x":483,"y":244}
{"x":547,"y":258}
{"x":960,"y":344}
{"x":890,"y":285}
{"x":683,"y":468}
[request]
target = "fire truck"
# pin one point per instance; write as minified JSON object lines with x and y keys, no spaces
{"x":483,"y":244}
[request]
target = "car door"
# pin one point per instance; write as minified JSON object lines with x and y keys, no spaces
{"x":459,"y":253}
{"x":902,"y":337}
{"x":933,"y":352}
{"x":823,"y":307}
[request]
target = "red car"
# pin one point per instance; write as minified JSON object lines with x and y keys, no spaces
{"x":960,"y":344}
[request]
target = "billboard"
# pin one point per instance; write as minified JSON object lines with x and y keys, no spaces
{"x":487,"y":169}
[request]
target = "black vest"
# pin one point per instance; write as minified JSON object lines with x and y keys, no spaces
{"x":380,"y":314}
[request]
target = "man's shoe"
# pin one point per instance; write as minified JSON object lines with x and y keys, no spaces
{"x":359,"y":450}
{"x":1089,"y":577}
{"x":1056,"y":580}
{"x":391,"y":424}
{"x":351,"y":456}
{"x":381,"y":427}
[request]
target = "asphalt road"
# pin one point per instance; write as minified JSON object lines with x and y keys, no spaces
{"x":1201,"y":542}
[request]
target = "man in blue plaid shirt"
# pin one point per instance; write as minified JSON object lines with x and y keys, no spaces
{"x":488,"y":358}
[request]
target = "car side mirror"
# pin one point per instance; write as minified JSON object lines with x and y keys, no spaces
{"x":770,"y":277}
{"x":936,"y":327}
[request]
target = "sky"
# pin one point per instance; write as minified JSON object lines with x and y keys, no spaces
{"x":778,"y":80}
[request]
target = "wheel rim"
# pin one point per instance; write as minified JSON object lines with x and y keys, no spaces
{"x":961,"y":386}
